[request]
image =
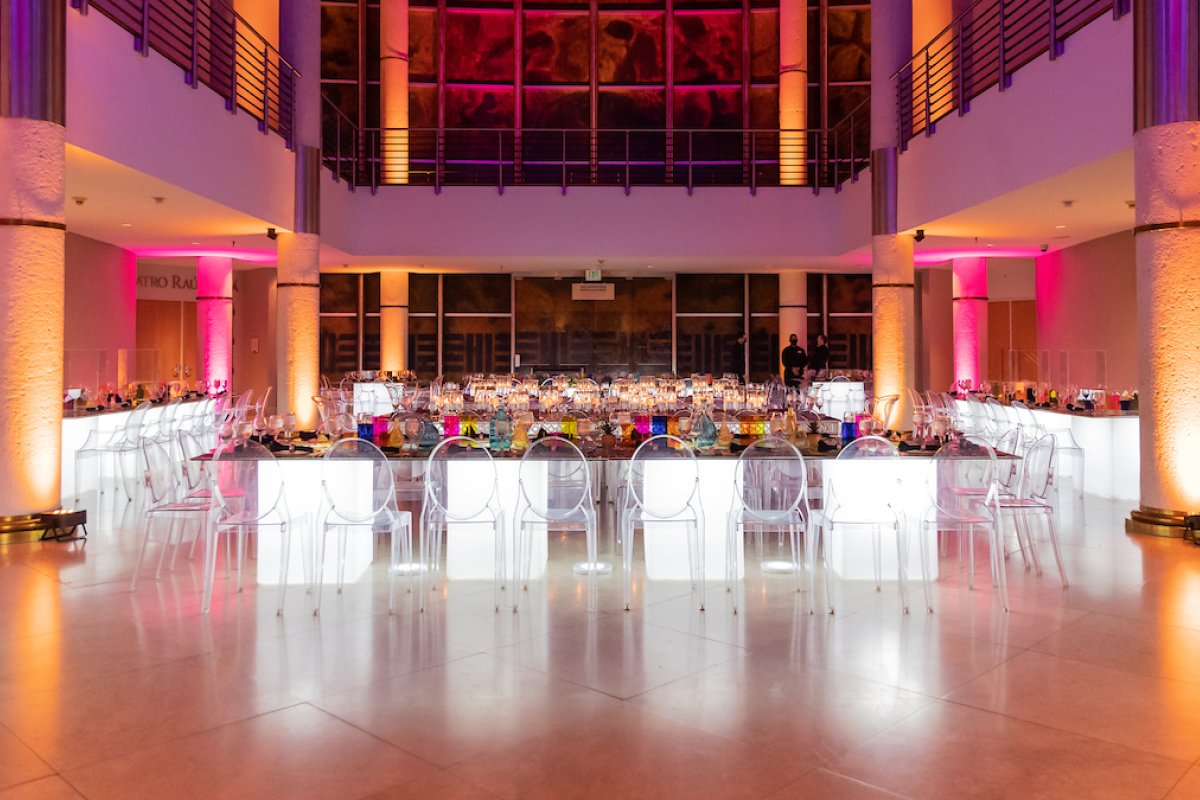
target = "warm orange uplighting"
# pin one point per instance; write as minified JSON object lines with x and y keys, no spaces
{"x":793,"y":92}
{"x":297,"y":319}
{"x":892,"y":312}
{"x":31,"y":304}
{"x":1168,"y":288}
{"x":393,"y":98}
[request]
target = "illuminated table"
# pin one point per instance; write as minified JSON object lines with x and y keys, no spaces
{"x":75,"y":431}
{"x":1111,"y":443}
{"x":470,"y":548}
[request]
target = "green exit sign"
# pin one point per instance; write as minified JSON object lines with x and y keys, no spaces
{"x":592,"y":275}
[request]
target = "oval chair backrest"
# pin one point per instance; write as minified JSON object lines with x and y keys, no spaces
{"x":663,"y":477}
{"x":883,"y":408}
{"x":357,"y":480}
{"x":1008,"y":471}
{"x":771,"y":480}
{"x":193,"y":470}
{"x":159,"y":472}
{"x":135,"y":422}
{"x":1036,"y":468}
{"x":246,"y":478}
{"x":166,"y":420}
{"x":470,"y":466}
{"x":862,"y":479}
{"x":555,"y":479}
{"x":962,"y":476}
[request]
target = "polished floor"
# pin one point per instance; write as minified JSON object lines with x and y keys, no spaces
{"x":1093,"y":691}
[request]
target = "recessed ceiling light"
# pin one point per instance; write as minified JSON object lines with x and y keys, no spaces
{"x":1060,"y":227}
{"x":126,"y":224}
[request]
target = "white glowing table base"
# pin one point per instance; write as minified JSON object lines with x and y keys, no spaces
{"x":470,"y":553}
{"x":1112,"y":452}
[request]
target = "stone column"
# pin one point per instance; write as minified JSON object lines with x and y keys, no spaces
{"x":214,"y":318}
{"x":1166,"y":162}
{"x":970,"y":318}
{"x":393,"y":90}
{"x":393,"y":321}
{"x":32,"y":253}
{"x":298,"y":284}
{"x":894,"y":326}
{"x":793,"y":308}
{"x":298,"y":326}
{"x":793,"y":92}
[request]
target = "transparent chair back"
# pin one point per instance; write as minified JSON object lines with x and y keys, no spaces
{"x":663,"y":455}
{"x":556,"y":480}
{"x":345,"y":489}
{"x":247,"y":482}
{"x":465,"y":505}
{"x":771,"y":481}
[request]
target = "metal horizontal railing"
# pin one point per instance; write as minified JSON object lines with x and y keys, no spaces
{"x":982,"y":48}
{"x":216,"y":47}
{"x":503,"y":157}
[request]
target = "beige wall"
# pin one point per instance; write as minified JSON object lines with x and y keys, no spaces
{"x":100,"y":305}
{"x":1012,"y":325}
{"x":1087,"y":301}
{"x":254,"y":331}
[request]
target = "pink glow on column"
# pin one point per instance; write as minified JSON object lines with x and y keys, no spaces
{"x":214,"y":317}
{"x":970,"y":318}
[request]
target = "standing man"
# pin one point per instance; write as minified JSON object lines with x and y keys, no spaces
{"x":794,"y":360}
{"x":820,"y":358}
{"x":737,"y":356}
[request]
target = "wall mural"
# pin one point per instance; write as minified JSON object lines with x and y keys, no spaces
{"x":555,"y":47}
{"x":630,"y":48}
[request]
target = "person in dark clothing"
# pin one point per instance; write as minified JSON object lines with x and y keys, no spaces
{"x":737,"y":356}
{"x":819,"y":361}
{"x":794,"y":360}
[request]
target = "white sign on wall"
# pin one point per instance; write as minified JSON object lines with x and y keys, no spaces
{"x":592,"y":291}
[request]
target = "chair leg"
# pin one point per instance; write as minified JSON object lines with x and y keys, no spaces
{"x":141,"y":553}
{"x":1062,"y":572}
{"x":924,"y":551}
{"x":285,"y":551}
{"x":827,"y":554}
{"x":162,"y":551}
{"x":902,"y":565}
{"x":627,"y":559}
{"x":593,"y":560}
{"x":210,"y":567}
{"x":500,"y":579}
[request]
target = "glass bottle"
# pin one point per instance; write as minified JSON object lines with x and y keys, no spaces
{"x":705,"y":430}
{"x":500,"y":435}
{"x":569,"y":425}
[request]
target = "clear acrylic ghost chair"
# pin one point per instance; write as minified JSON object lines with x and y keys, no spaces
{"x":248,"y":488}
{"x":662,"y":486}
{"x":1031,"y":498}
{"x":162,"y":429}
{"x":1028,"y":425}
{"x":358,"y":491}
{"x":770,"y":491}
{"x":863,"y":490}
{"x":555,"y":490}
{"x":121,"y":446}
{"x":964,"y":497}
{"x":997,"y":418}
{"x":1066,"y":447}
{"x":165,"y":501}
{"x":473,"y":499}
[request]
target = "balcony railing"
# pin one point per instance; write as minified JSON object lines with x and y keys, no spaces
{"x":982,"y":48}
{"x":503,"y":157}
{"x":213,"y":46}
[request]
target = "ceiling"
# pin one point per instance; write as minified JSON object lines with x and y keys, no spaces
{"x":160,"y":221}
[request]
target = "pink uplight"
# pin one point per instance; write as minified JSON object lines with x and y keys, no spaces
{"x":246,"y":255}
{"x":942,"y":255}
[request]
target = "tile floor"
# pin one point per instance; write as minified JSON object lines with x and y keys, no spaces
{"x":1093,"y":691}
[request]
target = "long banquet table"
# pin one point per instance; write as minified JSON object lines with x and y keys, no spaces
{"x":469,"y":552}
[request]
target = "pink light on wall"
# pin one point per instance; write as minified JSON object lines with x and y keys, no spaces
{"x":214,"y":317}
{"x":970,"y":318}
{"x":248,"y":255}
